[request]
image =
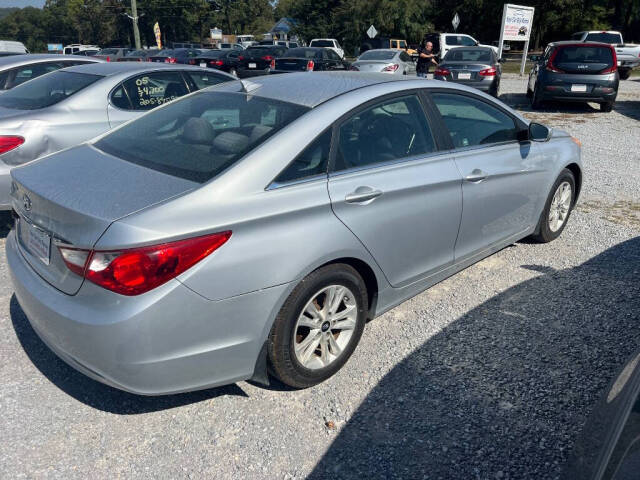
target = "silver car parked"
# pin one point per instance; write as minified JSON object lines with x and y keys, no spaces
{"x":70,"y":106}
{"x":17,"y":69}
{"x":385,"y":60}
{"x":263,"y":222}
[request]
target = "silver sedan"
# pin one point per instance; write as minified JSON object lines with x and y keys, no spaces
{"x":390,"y":61}
{"x":261,"y":223}
{"x":75,"y":104}
{"x":17,"y":69}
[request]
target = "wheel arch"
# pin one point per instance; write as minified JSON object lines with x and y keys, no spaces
{"x":577,"y":174}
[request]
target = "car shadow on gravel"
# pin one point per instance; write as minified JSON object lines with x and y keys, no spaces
{"x":93,"y":393}
{"x":629,"y":108}
{"x":519,"y":101}
{"x":5,"y":224}
{"x":503,"y":391}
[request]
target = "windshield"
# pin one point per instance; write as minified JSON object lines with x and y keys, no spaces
{"x":604,"y":37}
{"x":46,"y":90}
{"x":301,"y":53}
{"x":200,"y":136}
{"x":583,"y":55}
{"x":109,"y":51}
{"x":377,"y":55}
{"x":468,"y":55}
{"x":321,"y":43}
{"x":166,"y":52}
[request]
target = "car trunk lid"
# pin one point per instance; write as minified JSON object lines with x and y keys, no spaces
{"x":465,"y":71}
{"x":372,"y":65}
{"x":72,"y":197}
{"x":292,"y":64}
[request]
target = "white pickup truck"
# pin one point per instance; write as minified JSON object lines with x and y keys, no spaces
{"x":443,"y":42}
{"x":628,"y":54}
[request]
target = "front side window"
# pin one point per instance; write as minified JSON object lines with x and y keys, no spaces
{"x":312,"y":161}
{"x":46,"y":90}
{"x":205,"y":79}
{"x":394,"y":129}
{"x":198,"y":137}
{"x":150,"y":90}
{"x":473,"y":122}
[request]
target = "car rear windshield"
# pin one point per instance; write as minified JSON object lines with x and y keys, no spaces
{"x":46,"y":90}
{"x":377,"y":55}
{"x":109,"y":51}
{"x":604,"y":37}
{"x":302,"y":53}
{"x":321,"y":43}
{"x":200,"y":136}
{"x":166,"y":52}
{"x":213,"y":54}
{"x":584,"y":54}
{"x":468,"y":55}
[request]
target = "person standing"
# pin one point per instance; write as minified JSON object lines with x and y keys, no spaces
{"x":426,"y":57}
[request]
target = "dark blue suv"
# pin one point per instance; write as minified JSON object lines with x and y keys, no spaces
{"x":575,"y":72}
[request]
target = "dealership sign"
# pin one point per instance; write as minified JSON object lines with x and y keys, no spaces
{"x":516,"y":22}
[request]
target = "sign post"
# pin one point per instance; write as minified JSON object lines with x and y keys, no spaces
{"x":516,"y":27}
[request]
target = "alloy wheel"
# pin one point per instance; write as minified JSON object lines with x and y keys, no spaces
{"x":560,"y":206}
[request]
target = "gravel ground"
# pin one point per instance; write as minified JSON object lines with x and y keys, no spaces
{"x":490,"y":374}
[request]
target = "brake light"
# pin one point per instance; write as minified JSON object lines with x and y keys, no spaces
{"x":9,"y":142}
{"x":108,"y":58}
{"x":310,"y":66}
{"x":138,"y":270}
{"x":268,"y":58}
{"x":391,"y":68}
{"x":240,"y":57}
{"x":441,"y":71}
{"x":614,"y":67}
{"x":272,"y":65}
{"x":550,"y":66}
{"x":170,"y":60}
{"x":488,"y":72}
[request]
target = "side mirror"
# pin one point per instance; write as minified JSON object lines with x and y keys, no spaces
{"x":534,"y":58}
{"x":539,"y":132}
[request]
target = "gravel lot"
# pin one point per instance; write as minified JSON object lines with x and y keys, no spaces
{"x":490,"y":374}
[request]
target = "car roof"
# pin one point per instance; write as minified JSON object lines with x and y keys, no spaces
{"x":107,"y":69}
{"x":312,"y":90}
{"x":18,"y":60}
{"x":577,"y":43}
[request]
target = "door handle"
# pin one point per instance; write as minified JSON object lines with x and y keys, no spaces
{"x":362,"y":195}
{"x":476,"y":176}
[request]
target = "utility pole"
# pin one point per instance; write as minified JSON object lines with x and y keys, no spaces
{"x":134,"y":17}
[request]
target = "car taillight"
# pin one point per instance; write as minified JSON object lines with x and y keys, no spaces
{"x":272,"y":65}
{"x":613,"y":68}
{"x":170,"y":60}
{"x":138,"y":270}
{"x":268,"y":58}
{"x":310,"y":66}
{"x":240,"y":57}
{"x":217,"y":63}
{"x":488,"y":72}
{"x":108,"y":58}
{"x":192,"y":61}
{"x":550,"y":66}
{"x":9,"y":142}
{"x":441,"y":71}
{"x":391,"y":68}
{"x":354,"y":68}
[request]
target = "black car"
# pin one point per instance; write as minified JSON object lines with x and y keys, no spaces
{"x":225,"y":60}
{"x":256,"y":60}
{"x":139,"y":55}
{"x":308,"y":59}
{"x":477,"y":67}
{"x":575,"y":72}
{"x":175,"y":55}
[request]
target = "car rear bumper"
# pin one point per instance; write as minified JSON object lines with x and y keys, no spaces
{"x":168,"y":340}
{"x":251,"y":72}
{"x":566,"y":95}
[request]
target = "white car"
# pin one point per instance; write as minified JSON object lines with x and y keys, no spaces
{"x":331,"y":43}
{"x":443,"y":42}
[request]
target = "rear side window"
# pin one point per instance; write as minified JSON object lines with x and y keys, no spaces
{"x":150,"y":90}
{"x":394,"y":129}
{"x":312,"y":161}
{"x":47,"y":90}
{"x":584,"y":54}
{"x":205,"y":79}
{"x":28,"y":72}
{"x":473,"y":122}
{"x":200,"y":136}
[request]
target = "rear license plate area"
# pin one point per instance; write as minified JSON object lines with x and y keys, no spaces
{"x":464,"y":76}
{"x":576,"y":87}
{"x":252,"y":65}
{"x":36,"y":241}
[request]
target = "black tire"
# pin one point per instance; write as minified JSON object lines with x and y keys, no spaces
{"x":529,"y":93}
{"x":624,"y":74}
{"x":494,"y":91}
{"x":543,"y":233}
{"x":282,"y":359}
{"x":606,"y":106}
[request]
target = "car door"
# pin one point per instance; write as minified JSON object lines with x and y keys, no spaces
{"x":397,"y":192}
{"x":143,"y":92}
{"x":501,"y":175}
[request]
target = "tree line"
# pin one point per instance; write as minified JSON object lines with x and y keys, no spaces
{"x":105,"y":22}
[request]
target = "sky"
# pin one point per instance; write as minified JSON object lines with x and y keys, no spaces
{"x":21,"y":3}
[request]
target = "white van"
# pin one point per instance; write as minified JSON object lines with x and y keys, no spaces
{"x":9,"y":46}
{"x":76,"y":47}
